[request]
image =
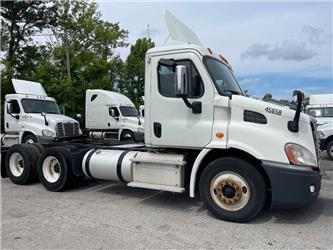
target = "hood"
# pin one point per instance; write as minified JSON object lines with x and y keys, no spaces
{"x":53,"y":119}
{"x":268,"y":109}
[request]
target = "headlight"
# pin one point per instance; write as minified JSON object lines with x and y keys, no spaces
{"x":47,"y":132}
{"x":299,"y":155}
{"x":321,"y":134}
{"x":141,"y":130}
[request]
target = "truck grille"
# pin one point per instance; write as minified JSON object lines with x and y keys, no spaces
{"x":67,"y":129}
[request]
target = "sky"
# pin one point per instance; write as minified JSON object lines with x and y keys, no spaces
{"x":273,"y":47}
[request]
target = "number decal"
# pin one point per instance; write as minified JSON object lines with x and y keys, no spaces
{"x":273,"y":111}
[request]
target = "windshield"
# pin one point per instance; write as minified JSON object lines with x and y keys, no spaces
{"x":127,"y":111}
{"x":321,"y":112}
{"x":40,"y":106}
{"x":223,"y":79}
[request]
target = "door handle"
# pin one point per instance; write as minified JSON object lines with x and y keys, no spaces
{"x":157,"y":129}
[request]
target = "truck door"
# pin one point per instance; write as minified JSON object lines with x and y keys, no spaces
{"x":114,"y":119}
{"x":172,"y":123}
{"x":12,"y":116}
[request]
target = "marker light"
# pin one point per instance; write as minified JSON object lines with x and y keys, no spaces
{"x":210,"y":51}
{"x":219,"y":135}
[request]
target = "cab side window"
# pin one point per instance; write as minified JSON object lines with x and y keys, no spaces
{"x":115,"y":111}
{"x":167,"y":80}
{"x":13,"y":107}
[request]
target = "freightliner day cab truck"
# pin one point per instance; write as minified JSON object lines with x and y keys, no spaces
{"x":202,"y":135}
{"x":111,"y":115}
{"x":321,"y":108}
{"x":31,"y":116}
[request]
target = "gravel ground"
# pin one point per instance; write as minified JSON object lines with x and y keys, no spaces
{"x":103,"y":215}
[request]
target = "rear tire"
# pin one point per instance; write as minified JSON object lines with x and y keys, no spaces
{"x":21,"y":164}
{"x":232,"y":189}
{"x":55,"y":170}
{"x":29,"y":138}
{"x":330,"y":150}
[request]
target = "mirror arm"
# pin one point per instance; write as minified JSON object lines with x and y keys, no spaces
{"x":187,"y":102}
{"x":293,"y":125}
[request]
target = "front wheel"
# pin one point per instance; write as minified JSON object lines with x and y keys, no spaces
{"x":232,"y":189}
{"x":29,"y":138}
{"x":330,"y":150}
{"x":127,"y":135}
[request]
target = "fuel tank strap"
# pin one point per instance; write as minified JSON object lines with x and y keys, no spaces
{"x":87,"y":162}
{"x":119,"y":162}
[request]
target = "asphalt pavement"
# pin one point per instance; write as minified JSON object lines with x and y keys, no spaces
{"x":104,"y":215}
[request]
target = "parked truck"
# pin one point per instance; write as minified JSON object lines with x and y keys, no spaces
{"x":117,"y":117}
{"x":31,"y":116}
{"x":202,"y":136}
{"x":321,"y":108}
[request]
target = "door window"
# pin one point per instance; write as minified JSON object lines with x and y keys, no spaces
{"x":167,"y":80}
{"x":13,"y":107}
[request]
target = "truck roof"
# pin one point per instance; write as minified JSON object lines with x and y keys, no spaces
{"x":107,"y":97}
{"x":28,"y":87}
{"x":322,"y":99}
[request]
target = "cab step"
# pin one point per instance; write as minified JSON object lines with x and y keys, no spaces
{"x":156,"y":187}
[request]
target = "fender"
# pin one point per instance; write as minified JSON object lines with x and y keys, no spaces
{"x":201,"y":156}
{"x":195,"y":168}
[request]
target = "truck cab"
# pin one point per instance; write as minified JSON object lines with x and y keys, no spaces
{"x":117,"y":118}
{"x":321,"y":108}
{"x":31,"y":116}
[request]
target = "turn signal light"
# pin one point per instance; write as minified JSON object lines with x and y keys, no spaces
{"x":219,"y":135}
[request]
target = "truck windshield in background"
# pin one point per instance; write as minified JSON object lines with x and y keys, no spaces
{"x":223,"y":79}
{"x":40,"y":106}
{"x":127,"y":111}
{"x":321,"y":112}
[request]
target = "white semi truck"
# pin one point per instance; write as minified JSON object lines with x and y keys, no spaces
{"x":31,"y":116}
{"x":321,"y":108}
{"x":202,"y":136}
{"x":117,"y":117}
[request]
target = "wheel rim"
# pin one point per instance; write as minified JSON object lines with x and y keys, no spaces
{"x":29,"y":141}
{"x":230,"y":191}
{"x":127,"y":135}
{"x":16,"y":164}
{"x":51,"y":169}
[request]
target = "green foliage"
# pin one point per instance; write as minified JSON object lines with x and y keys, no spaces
{"x":267,"y":96}
{"x":133,"y":82}
{"x":78,"y":55}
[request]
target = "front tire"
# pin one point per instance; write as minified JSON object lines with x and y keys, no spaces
{"x":127,"y":135}
{"x":29,"y":138}
{"x":330,"y":150}
{"x":232,"y":189}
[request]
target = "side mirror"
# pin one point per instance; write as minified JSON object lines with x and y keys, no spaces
{"x":78,"y":116}
{"x":9,"y":108}
{"x":298,"y":97}
{"x":181,"y":80}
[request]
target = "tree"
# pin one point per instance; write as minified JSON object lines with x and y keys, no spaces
{"x":267,"y":96}
{"x":82,"y":53}
{"x":134,"y":72}
{"x":20,"y":20}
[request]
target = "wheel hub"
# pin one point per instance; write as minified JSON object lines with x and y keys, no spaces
{"x":16,"y":164}
{"x":51,"y":169}
{"x":230,"y":191}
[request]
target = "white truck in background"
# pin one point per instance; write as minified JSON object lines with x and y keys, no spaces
{"x":111,"y":115}
{"x":202,"y":136}
{"x":31,"y":116}
{"x":321,"y":108}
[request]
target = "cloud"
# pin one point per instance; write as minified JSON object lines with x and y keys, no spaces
{"x":150,"y":32}
{"x":254,"y":82}
{"x":316,"y":35}
{"x":290,"y":50}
